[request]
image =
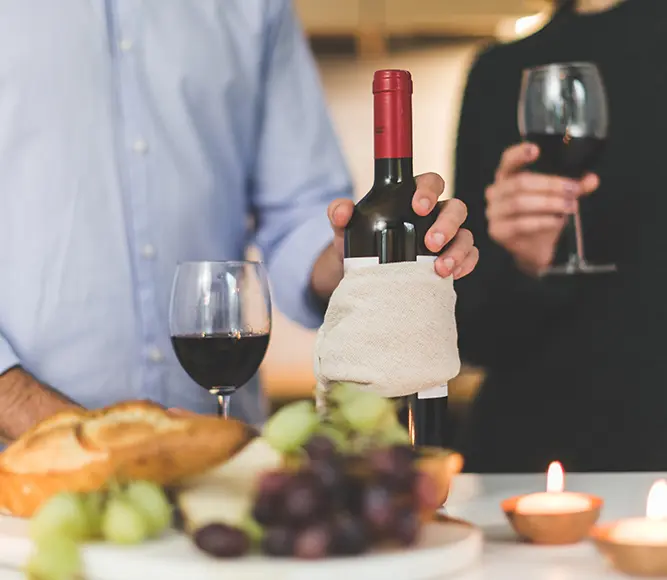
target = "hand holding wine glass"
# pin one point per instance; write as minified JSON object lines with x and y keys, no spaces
{"x":563,"y":110}
{"x":527,"y":211}
{"x":220,"y":323}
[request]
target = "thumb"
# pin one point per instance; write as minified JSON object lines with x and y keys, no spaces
{"x":340,"y":212}
{"x":589,"y":183}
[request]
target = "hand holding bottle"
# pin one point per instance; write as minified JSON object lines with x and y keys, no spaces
{"x":461,"y":256}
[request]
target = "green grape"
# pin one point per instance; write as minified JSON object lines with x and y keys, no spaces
{"x":292,"y":426}
{"x":335,"y":434}
{"x":93,"y":504}
{"x":254,"y":531}
{"x":394,"y":434}
{"x":341,"y":393}
{"x":338,"y":420}
{"x":151,"y":501}
{"x":366,"y":411}
{"x":122,"y":523}
{"x":62,"y":515}
{"x":57,"y":558}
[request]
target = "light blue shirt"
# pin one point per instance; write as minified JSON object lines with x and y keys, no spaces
{"x":137,"y":134}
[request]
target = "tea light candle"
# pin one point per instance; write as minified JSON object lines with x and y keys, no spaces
{"x":555,"y":517}
{"x":648,"y":531}
{"x":554,"y":500}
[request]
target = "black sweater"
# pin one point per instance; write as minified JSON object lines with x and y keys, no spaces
{"x":577,"y":366}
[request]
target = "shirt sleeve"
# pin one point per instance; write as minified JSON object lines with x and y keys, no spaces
{"x":8,"y":358}
{"x":501,"y":313}
{"x":299,"y":169}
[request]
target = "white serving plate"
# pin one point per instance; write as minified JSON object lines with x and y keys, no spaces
{"x":445,"y":548}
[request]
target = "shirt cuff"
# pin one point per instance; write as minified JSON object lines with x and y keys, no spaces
{"x":291,"y":267}
{"x":8,"y":358}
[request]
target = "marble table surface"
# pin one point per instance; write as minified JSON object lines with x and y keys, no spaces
{"x":476,"y":498}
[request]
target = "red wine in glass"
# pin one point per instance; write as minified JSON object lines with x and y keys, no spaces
{"x":221,"y":359}
{"x":563,"y":110}
{"x":220,"y":324}
{"x":566,"y":156}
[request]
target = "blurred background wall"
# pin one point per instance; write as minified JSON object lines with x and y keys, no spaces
{"x":437,"y":41}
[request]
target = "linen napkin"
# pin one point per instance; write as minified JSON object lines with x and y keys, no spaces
{"x":391,"y":329}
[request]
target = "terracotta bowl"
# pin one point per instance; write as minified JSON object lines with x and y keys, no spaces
{"x":441,"y":465}
{"x":552,"y":529}
{"x":632,"y":559}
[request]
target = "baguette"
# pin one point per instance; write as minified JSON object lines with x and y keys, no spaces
{"x":81,"y":451}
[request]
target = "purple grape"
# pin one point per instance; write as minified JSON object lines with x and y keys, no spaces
{"x":320,"y":447}
{"x":405,"y":453}
{"x":274,"y":482}
{"x":305,"y":499}
{"x":349,"y":536}
{"x":395,"y":464}
{"x":313,"y":542}
{"x":269,"y":502}
{"x":351,"y":495}
{"x":221,"y":541}
{"x":378,"y":509}
{"x":278,"y":541}
{"x":329,"y":472}
{"x":267,"y":510}
{"x":406,"y":527}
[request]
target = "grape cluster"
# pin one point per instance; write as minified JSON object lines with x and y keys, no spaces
{"x":123,"y":515}
{"x":331,"y":505}
{"x":350,"y":483}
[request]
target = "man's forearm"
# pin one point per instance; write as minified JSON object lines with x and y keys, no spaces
{"x":24,"y":401}
{"x":327,"y":273}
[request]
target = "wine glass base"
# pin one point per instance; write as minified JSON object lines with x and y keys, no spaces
{"x":573,"y":269}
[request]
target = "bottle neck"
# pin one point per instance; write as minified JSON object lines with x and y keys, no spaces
{"x":392,"y":116}
{"x":389,"y":171}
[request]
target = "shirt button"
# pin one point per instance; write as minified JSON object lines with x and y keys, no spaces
{"x":154,"y":354}
{"x":148,"y":251}
{"x":125,"y":44}
{"x":140,"y":146}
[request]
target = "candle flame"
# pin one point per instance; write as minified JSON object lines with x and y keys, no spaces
{"x":656,"y":503}
{"x":555,"y":477}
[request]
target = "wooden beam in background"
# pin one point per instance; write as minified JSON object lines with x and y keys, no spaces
{"x":372,"y":35}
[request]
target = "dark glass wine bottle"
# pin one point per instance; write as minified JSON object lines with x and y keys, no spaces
{"x":384,"y":228}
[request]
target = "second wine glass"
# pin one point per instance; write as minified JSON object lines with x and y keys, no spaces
{"x":563,"y":110}
{"x":220,"y":323}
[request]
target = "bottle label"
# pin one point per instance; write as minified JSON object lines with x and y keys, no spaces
{"x":354,"y":263}
{"x":434,"y":393}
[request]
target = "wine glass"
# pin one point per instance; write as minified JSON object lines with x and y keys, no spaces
{"x":563,"y":110}
{"x":220,"y":323}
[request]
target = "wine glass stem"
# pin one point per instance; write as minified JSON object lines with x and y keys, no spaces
{"x":575,"y":239}
{"x":223,"y":405}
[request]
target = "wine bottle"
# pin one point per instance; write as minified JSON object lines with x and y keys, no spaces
{"x":384,"y":228}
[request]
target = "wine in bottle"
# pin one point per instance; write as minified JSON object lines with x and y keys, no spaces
{"x":384,"y":228}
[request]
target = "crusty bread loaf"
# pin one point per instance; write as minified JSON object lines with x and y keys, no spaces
{"x":78,"y":450}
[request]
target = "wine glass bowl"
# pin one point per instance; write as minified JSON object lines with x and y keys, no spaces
{"x":563,"y":110}
{"x":220,"y":323}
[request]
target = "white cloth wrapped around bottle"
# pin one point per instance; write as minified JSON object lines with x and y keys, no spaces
{"x":391,"y":329}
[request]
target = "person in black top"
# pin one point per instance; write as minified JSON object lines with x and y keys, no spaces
{"x":576,"y":365}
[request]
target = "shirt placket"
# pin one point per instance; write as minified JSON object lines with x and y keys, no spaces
{"x":135,"y":147}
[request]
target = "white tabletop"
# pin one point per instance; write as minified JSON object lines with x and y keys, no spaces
{"x":477,"y":499}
